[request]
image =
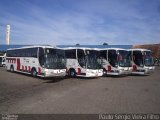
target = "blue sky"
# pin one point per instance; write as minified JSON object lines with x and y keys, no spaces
{"x":87,"y":22}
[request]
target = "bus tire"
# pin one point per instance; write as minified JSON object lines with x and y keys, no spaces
{"x":34,"y":72}
{"x":11,"y":68}
{"x":72,"y":73}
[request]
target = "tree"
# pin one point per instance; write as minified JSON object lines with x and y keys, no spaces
{"x":77,"y":44}
{"x":105,"y":43}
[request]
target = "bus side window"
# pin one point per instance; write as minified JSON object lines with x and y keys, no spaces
{"x":34,"y":52}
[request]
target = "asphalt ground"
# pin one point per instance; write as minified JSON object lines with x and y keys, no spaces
{"x":23,"y":94}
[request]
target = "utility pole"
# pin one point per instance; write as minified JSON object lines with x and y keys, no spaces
{"x":8,"y":34}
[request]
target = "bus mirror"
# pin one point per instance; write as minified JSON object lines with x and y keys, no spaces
{"x":87,"y":52}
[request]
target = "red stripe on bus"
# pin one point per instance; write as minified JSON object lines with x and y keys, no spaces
{"x":10,"y":58}
{"x":134,"y":67}
{"x":18,"y":64}
{"x":109,"y":68}
{"x":79,"y":71}
{"x":39,"y":70}
{"x":29,"y":68}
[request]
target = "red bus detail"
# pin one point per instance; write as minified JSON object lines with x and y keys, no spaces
{"x":134,"y":67}
{"x":109,"y":68}
{"x":29,"y":68}
{"x":39,"y":71}
{"x":79,"y":71}
{"x":18,"y":64}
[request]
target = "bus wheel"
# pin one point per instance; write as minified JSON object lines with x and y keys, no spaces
{"x":72,"y":73}
{"x":12,"y":68}
{"x":34,"y":72}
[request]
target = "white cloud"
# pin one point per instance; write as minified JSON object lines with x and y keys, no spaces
{"x":86,"y":23}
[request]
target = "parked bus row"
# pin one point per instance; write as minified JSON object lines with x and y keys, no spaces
{"x":47,"y":61}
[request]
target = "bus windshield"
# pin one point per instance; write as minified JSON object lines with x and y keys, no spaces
{"x":112,"y":58}
{"x":124,"y":58}
{"x":148,"y":59}
{"x":138,"y":58}
{"x":93,"y":59}
{"x":54,"y":59}
{"x":0,"y":59}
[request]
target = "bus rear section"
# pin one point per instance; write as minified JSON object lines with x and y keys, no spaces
{"x":43,"y":61}
{"x":142,"y":61}
{"x":116,"y":61}
{"x":2,"y":60}
{"x":82,"y":62}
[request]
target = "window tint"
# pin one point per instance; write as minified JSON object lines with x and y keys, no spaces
{"x":138,"y":58}
{"x":70,"y":53}
{"x":130,"y":54}
{"x":80,"y":53}
{"x":81,"y":57}
{"x":103,"y":54}
{"x":41,"y":56}
{"x":112,"y":58}
{"x":28,"y":52}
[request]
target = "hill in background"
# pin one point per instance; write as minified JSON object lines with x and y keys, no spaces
{"x":154,"y":47}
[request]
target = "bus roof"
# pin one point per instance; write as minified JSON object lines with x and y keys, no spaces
{"x":33,"y":46}
{"x":138,"y":49}
{"x":83,"y":48}
{"x":112,"y":49}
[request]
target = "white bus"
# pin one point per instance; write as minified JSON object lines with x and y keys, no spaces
{"x":83,"y":62}
{"x":3,"y":60}
{"x":142,"y":61}
{"x":116,"y":61}
{"x":43,"y":61}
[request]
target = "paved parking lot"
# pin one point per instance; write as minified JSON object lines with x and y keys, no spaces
{"x":21,"y":93}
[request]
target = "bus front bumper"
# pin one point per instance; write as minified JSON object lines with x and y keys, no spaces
{"x":144,"y":71}
{"x":94,"y":73}
{"x":55,"y":73}
{"x":119,"y":72}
